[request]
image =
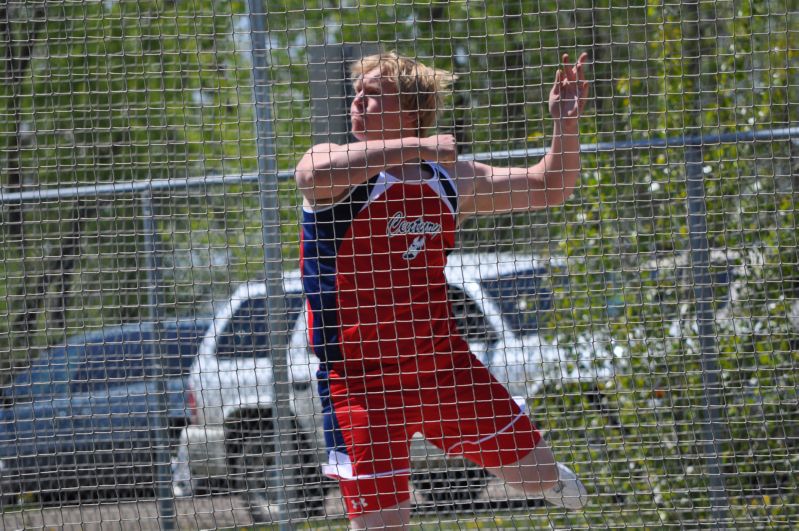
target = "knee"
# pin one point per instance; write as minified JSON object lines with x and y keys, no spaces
{"x":534,"y":473}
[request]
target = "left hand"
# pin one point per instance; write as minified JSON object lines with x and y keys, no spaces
{"x":570,"y":90}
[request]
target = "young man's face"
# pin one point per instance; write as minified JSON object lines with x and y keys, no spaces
{"x":375,"y":111}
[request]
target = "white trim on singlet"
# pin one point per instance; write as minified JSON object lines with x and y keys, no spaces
{"x":383,"y":182}
{"x":386,"y":180}
{"x":435,"y":183}
{"x":454,"y":183}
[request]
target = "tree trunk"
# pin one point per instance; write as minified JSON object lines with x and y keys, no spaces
{"x":15,"y":66}
{"x":69,"y":252}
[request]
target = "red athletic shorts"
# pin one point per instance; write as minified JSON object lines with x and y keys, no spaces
{"x":463,"y":410}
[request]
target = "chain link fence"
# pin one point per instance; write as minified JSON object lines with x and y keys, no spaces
{"x":150,"y":254}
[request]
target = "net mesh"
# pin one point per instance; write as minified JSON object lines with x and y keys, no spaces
{"x":151,"y":228}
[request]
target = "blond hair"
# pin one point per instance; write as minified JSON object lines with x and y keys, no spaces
{"x":421,"y":88}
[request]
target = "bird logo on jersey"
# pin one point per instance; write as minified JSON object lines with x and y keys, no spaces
{"x":416,"y":247}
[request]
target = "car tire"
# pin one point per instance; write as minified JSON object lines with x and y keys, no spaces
{"x":252,"y":447}
{"x":10,"y":489}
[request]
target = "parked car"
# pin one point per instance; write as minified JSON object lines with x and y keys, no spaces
{"x":497,"y":300}
{"x":80,"y":421}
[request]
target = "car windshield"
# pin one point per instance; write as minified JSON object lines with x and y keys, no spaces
{"x":245,"y":335}
{"x":521,"y":297}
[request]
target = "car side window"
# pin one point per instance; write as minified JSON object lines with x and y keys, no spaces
{"x":245,"y":334}
{"x":471,"y":321}
{"x":521,"y":297}
{"x":182,"y":352}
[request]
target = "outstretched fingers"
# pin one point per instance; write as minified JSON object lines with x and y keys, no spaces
{"x":584,"y":85}
{"x":579,"y":65}
{"x":577,"y":77}
{"x":571,"y":73}
{"x":556,"y":85}
{"x":570,"y":89}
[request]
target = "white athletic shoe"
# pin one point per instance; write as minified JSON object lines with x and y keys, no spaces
{"x":569,"y":492}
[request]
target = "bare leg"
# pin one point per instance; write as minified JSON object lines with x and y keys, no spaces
{"x":533,"y":473}
{"x":394,"y":518}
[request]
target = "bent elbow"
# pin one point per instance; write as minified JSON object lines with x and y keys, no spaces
{"x":565,"y":194}
{"x":553,"y":199}
{"x":304,"y":179}
{"x":314,"y":184}
{"x":560,"y":192}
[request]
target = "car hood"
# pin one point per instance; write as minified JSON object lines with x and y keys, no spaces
{"x":232,"y":384}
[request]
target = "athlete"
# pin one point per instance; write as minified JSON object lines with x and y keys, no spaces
{"x":379,"y":217}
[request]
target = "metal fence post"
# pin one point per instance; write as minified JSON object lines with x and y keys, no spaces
{"x":713,"y":427}
{"x":159,"y":423}
{"x":273,"y":259}
{"x":331,"y":90}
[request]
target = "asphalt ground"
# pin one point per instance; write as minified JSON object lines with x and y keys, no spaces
{"x":217,"y":511}
{"x":195,"y":513}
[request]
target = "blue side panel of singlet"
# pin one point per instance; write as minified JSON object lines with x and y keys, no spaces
{"x":334,"y":440}
{"x":322,"y":233}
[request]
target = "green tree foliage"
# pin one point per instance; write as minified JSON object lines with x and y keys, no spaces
{"x":109,"y":92}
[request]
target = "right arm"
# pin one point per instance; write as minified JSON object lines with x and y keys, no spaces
{"x":327,"y":171}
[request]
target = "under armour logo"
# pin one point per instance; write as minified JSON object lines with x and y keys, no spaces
{"x":414,"y":248}
{"x":359,"y":504}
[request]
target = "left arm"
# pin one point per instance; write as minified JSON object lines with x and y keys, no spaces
{"x":488,"y":189}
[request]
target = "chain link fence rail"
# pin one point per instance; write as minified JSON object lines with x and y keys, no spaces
{"x":651,"y":324}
